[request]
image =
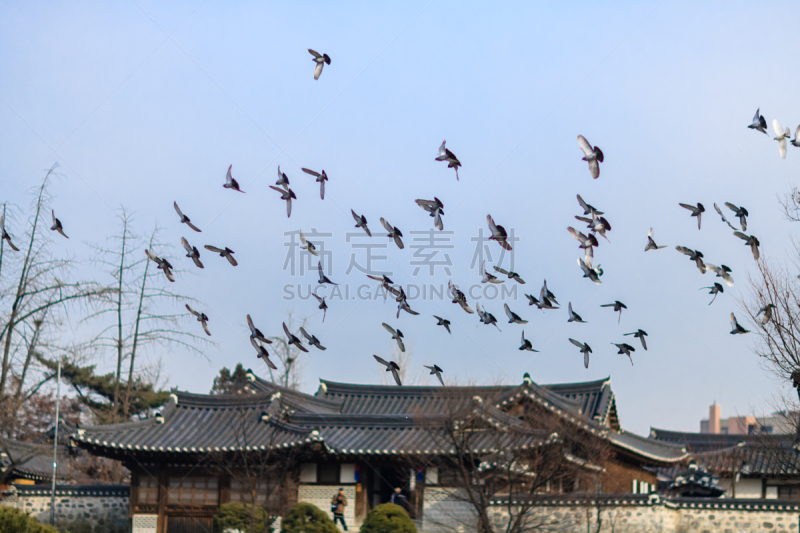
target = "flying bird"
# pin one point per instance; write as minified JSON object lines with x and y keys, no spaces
{"x":162,"y":264}
{"x":697,"y":211}
{"x":751,"y":241}
{"x":397,"y":335}
{"x":320,"y":61}
{"x":639,"y":334}
{"x":511,"y":275}
{"x":443,"y":322}
{"x":322,"y":305}
{"x":321,"y":179}
{"x":585,"y":350}
{"x":573,"y":316}
{"x":740,"y":213}
{"x":725,"y":220}
{"x":651,"y":244}
{"x":593,"y":273}
{"x":526,"y":344}
{"x":618,"y":307}
{"x":307,"y":245}
{"x":458,"y":297}
{"x":545,"y":293}
{"x":5,"y":236}
{"x":794,"y":141}
{"x":450,"y":157}
{"x":736,"y":328}
{"x":489,"y":278}
{"x":312,"y":339}
{"x":255,"y":333}
{"x":498,"y":233}
{"x":57,"y":224}
{"x":283,"y":179}
{"x":226,"y":252}
{"x":694,"y":255}
{"x":402,"y":305}
{"x":361,"y":222}
{"x":323,"y":279}
{"x":782,"y":135}
{"x":721,"y":272}
{"x":759,"y":123}
{"x":231,"y":183}
{"x":625,"y":349}
{"x":286,"y":194}
{"x":486,"y":317}
{"x":436,"y":210}
{"x":715,"y":289}
{"x":293,"y":339}
{"x":394,"y":233}
{"x":587,"y":242}
{"x":593,"y":155}
{"x":184,"y":219}
{"x":767,"y":310}
{"x":392,"y":367}
{"x":597,"y":224}
{"x":201,"y":317}
{"x":192,"y":252}
{"x":262,"y":353}
{"x":588,"y":209}
{"x":435,"y":370}
{"x":513,"y":318}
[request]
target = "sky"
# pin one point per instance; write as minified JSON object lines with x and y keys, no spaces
{"x":145,"y":103}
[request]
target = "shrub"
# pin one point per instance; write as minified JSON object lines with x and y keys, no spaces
{"x":237,"y":516}
{"x":307,"y":518}
{"x":388,"y":518}
{"x":12,"y":520}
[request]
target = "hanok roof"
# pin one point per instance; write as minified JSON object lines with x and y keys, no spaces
{"x":33,"y":461}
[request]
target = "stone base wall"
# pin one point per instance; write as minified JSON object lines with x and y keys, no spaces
{"x":101,"y":509}
{"x":445,"y":512}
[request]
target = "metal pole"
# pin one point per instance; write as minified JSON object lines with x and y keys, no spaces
{"x":55,"y":449}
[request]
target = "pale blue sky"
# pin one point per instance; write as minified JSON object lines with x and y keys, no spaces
{"x":142,"y":104}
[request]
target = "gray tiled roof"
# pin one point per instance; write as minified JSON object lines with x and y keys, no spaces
{"x":35,"y":460}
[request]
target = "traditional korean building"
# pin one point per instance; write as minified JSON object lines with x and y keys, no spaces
{"x":275,"y":446}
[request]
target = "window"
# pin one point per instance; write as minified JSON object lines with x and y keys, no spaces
{"x":789,"y":492}
{"x":241,"y":490}
{"x":148,"y":489}
{"x":193,"y":491}
{"x":328,"y":473}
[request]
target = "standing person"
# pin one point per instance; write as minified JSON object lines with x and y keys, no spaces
{"x":338,"y":503}
{"x":398,"y":498}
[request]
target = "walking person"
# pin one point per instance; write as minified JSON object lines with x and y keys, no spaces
{"x":338,"y":503}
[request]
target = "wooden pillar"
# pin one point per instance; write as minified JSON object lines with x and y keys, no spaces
{"x":163,"y":485}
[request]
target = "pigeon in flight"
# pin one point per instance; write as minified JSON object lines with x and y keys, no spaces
{"x":486,"y":317}
{"x":293,"y":339}
{"x":697,"y":211}
{"x":458,"y":297}
{"x":361,"y":222}
{"x":593,"y":273}
{"x":255,"y":333}
{"x":794,"y":141}
{"x":751,"y":241}
{"x":715,"y":289}
{"x":397,"y":335}
{"x":226,"y":252}
{"x":307,"y":245}
{"x":262,"y":353}
{"x":443,"y":322}
{"x":394,"y":233}
{"x":511,"y":275}
{"x":721,"y":272}
{"x":740,"y":213}
{"x":573,"y":316}
{"x":489,"y":278}
{"x":322,"y":305}
{"x":320,"y":61}
{"x":286,"y":194}
{"x":597,"y":224}
{"x":323,"y":279}
{"x":312,"y":339}
{"x":585,"y":350}
{"x":5,"y":236}
{"x":192,"y":252}
{"x":57,"y":224}
{"x":450,"y":157}
{"x":651,"y":244}
{"x":782,"y":135}
{"x":163,"y":264}
{"x":725,"y":220}
{"x":759,"y":123}
{"x":283,"y":179}
{"x":184,"y":219}
{"x":736,"y":328}
{"x":526,"y":344}
{"x":498,"y":233}
{"x":402,"y":305}
{"x":321,"y":179}
{"x":231,"y":183}
{"x":767,"y":311}
{"x":386,"y":282}
{"x":436,"y":210}
{"x":593,"y":155}
{"x":588,"y":209}
{"x":694,"y":255}
{"x":513,"y":318}
{"x":625,"y":349}
{"x":587,"y":242}
{"x":639,"y":334}
{"x":618,"y":307}
{"x":436,"y":371}
{"x":392,"y":367}
{"x":201,"y":317}
{"x":545,"y":293}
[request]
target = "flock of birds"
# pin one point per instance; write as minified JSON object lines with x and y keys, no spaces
{"x":596,"y":226}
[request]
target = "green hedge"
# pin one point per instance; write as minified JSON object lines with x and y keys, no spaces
{"x":388,"y":518}
{"x":12,"y":520}
{"x":237,"y":516}
{"x":307,"y":518}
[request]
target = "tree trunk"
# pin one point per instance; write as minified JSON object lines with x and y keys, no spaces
{"x":120,"y":345}
{"x":127,"y":404}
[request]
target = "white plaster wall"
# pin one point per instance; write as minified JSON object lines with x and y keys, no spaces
{"x":745,"y":488}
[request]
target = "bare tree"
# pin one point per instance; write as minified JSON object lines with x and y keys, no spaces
{"x":291,"y":369}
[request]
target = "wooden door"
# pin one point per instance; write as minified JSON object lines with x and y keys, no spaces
{"x":189,"y":524}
